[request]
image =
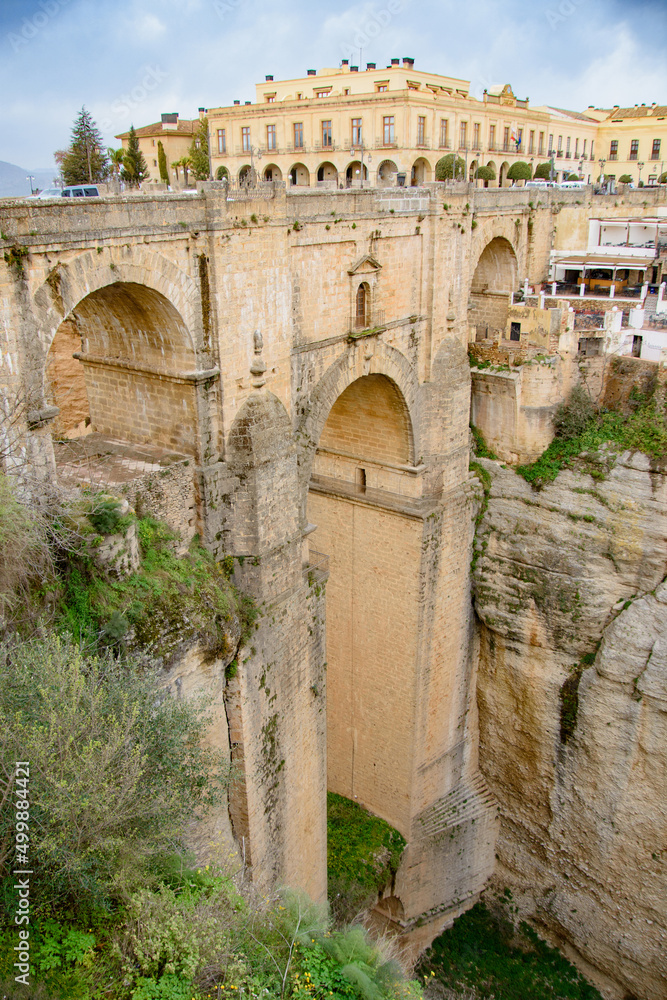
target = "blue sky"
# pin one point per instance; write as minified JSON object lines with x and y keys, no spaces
{"x":129,"y":61}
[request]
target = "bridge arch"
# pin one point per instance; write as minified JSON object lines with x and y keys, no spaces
{"x":493,"y":282}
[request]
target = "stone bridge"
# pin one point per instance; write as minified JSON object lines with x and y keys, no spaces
{"x":287,"y":375}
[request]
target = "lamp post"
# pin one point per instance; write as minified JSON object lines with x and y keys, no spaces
{"x":362,"y":150}
{"x":602,"y":166}
{"x":640,"y":165}
{"x":258,"y":153}
{"x":31,"y":179}
{"x":552,"y":156}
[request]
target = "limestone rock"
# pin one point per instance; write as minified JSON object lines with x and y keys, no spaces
{"x":583,"y":822}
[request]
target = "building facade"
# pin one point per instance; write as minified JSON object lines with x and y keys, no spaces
{"x":176,"y":136}
{"x":633,"y":142}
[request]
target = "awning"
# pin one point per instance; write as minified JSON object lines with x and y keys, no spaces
{"x":579,"y":260}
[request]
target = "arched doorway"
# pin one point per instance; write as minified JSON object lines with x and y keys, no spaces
{"x":327,"y":173}
{"x":502,"y":177}
{"x":245,"y":174}
{"x":355,"y":172}
{"x":120,"y":368}
{"x":472,"y":174}
{"x":421,"y":172}
{"x":374,"y":554}
{"x":494,"y":281}
{"x":387,"y":172}
{"x":493,"y":183}
{"x":272,"y":172}
{"x":299,"y":175}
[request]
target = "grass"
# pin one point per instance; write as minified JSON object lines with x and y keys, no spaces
{"x":482,"y":450}
{"x":485,"y":951}
{"x":643,"y":430}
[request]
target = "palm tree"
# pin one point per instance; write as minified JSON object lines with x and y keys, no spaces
{"x":116,"y":158}
{"x":184,"y":162}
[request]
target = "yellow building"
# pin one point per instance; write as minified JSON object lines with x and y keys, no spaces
{"x":176,"y":136}
{"x":390,"y":125}
{"x":633,"y":141}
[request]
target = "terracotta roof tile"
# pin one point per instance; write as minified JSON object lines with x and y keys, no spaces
{"x":185,"y":127}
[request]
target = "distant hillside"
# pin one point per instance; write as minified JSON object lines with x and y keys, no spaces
{"x":13,"y":179}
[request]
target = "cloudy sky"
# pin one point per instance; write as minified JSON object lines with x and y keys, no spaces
{"x":130,"y":60}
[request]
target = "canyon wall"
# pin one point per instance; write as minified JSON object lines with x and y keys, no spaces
{"x":572,"y":689}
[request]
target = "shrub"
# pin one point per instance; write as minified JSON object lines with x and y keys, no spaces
{"x":625,"y":179}
{"x":542,"y":171}
{"x":24,"y":555}
{"x":572,"y":417}
{"x":519,"y":171}
{"x":573,"y":177}
{"x":486,"y":173}
{"x":221,"y":173}
{"x":450,"y":166}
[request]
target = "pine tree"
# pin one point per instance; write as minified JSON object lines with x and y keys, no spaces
{"x":134,"y":165}
{"x":85,"y":161}
{"x":199,"y":152}
{"x":162,"y":162}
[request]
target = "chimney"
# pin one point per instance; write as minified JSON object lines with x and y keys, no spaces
{"x":170,"y":121}
{"x":408,"y":62}
{"x":370,"y":66}
{"x":237,"y":102}
{"x":312,"y":72}
{"x":248,"y":102}
{"x":354,"y":69}
{"x":202,"y":113}
{"x":345,"y":62}
{"x":269,"y":78}
{"x":395,"y":62}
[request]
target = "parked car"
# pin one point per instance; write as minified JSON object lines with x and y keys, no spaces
{"x":49,"y":193}
{"x":80,"y":191}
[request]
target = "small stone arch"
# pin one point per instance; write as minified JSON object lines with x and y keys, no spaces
{"x":421,"y":172}
{"x":299,"y":175}
{"x":493,"y":282}
{"x":472,"y":171}
{"x":502,"y":176}
{"x":245,"y":174}
{"x":354,"y":173}
{"x":387,"y":172}
{"x":272,"y":172}
{"x":327,"y":172}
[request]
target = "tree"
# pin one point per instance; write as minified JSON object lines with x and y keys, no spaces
{"x":543,"y":172}
{"x":519,"y":171}
{"x":134,"y":165}
{"x":162,"y":162}
{"x":221,"y":173}
{"x":199,"y":152}
{"x":85,"y":161}
{"x":573,"y":177}
{"x":450,"y":166}
{"x":185,"y":162}
{"x":625,"y":179}
{"x":663,"y":178}
{"x":486,"y":173}
{"x":116,"y":159}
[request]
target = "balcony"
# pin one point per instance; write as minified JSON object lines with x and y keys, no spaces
{"x":632,"y":156}
{"x":655,"y":156}
{"x":445,"y":145}
{"x":423,"y":144}
{"x":613,"y":156}
{"x":364,"y":326}
{"x":327,"y":147}
{"x":386,"y":143}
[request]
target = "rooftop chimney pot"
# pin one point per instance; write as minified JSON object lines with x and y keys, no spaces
{"x":395,"y":62}
{"x":237,"y":102}
{"x":269,"y":78}
{"x":354,"y":69}
{"x":312,"y":72}
{"x":407,"y":61}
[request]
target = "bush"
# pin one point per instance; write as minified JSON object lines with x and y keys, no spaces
{"x":221,"y":173}
{"x":486,"y":173}
{"x":625,"y":179}
{"x":450,"y":166}
{"x":572,"y":417}
{"x":117,"y":770}
{"x":573,"y":177}
{"x":543,"y":171}
{"x":24,"y":556}
{"x":519,"y":171}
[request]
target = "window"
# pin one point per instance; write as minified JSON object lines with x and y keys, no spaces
{"x":270,"y":98}
{"x":153,"y":141}
{"x":531,"y":141}
{"x":655,"y":150}
{"x":388,"y":129}
{"x":551,"y":144}
{"x":326,"y":134}
{"x":155,"y":163}
{"x":613,"y":149}
{"x":492,"y":136}
{"x":560,"y":144}
{"x":463,"y":135}
{"x":540,"y":151}
{"x":245,"y":138}
{"x":421,"y":130}
{"x":506,"y":137}
{"x":567,"y":146}
{"x":475,"y":136}
{"x":270,"y":136}
{"x":298,"y":135}
{"x":576,"y":149}
{"x":381,"y":87}
{"x":583,"y":152}
{"x":346,"y":92}
{"x":356,"y":131}
{"x":321,"y":93}
{"x":634,"y":149}
{"x":443,"y":132}
{"x":222,"y":140}
{"x":592,"y":144}
{"x":362,"y":316}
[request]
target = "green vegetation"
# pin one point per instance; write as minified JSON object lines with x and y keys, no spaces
{"x":221,"y":174}
{"x":198,"y":152}
{"x":450,"y":166}
{"x":569,"y":697}
{"x":486,"y":173}
{"x":543,"y":171}
{"x":162,"y":163}
{"x":480,"y":446}
{"x":581,"y":431}
{"x":486,"y":951}
{"x":519,"y":171}
{"x":134,"y":169}
{"x":85,"y":162}
{"x":363,"y":854}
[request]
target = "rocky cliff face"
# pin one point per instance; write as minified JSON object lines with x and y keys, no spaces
{"x":572,"y":692}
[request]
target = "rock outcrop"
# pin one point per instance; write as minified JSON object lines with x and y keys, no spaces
{"x":572,"y":693}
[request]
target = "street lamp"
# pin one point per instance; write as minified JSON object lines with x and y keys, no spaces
{"x":31,"y":179}
{"x":641,"y":167}
{"x":362,"y":150}
{"x":254,"y":151}
{"x":602,"y":166}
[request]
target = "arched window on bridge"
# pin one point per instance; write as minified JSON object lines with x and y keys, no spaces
{"x":363,"y":307}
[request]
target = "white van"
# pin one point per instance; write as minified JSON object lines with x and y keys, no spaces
{"x":81,"y":191}
{"x":573,"y":184}
{"x":540,"y":184}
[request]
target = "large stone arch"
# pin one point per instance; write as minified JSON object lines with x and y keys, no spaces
{"x":494,"y":278}
{"x":69,"y":283}
{"x":360,"y":359}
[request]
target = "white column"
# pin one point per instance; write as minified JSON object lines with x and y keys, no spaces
{"x":612,"y":291}
{"x":582,"y":289}
{"x":542,"y":298}
{"x":644,"y":290}
{"x":553,"y":287}
{"x":661,"y":291}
